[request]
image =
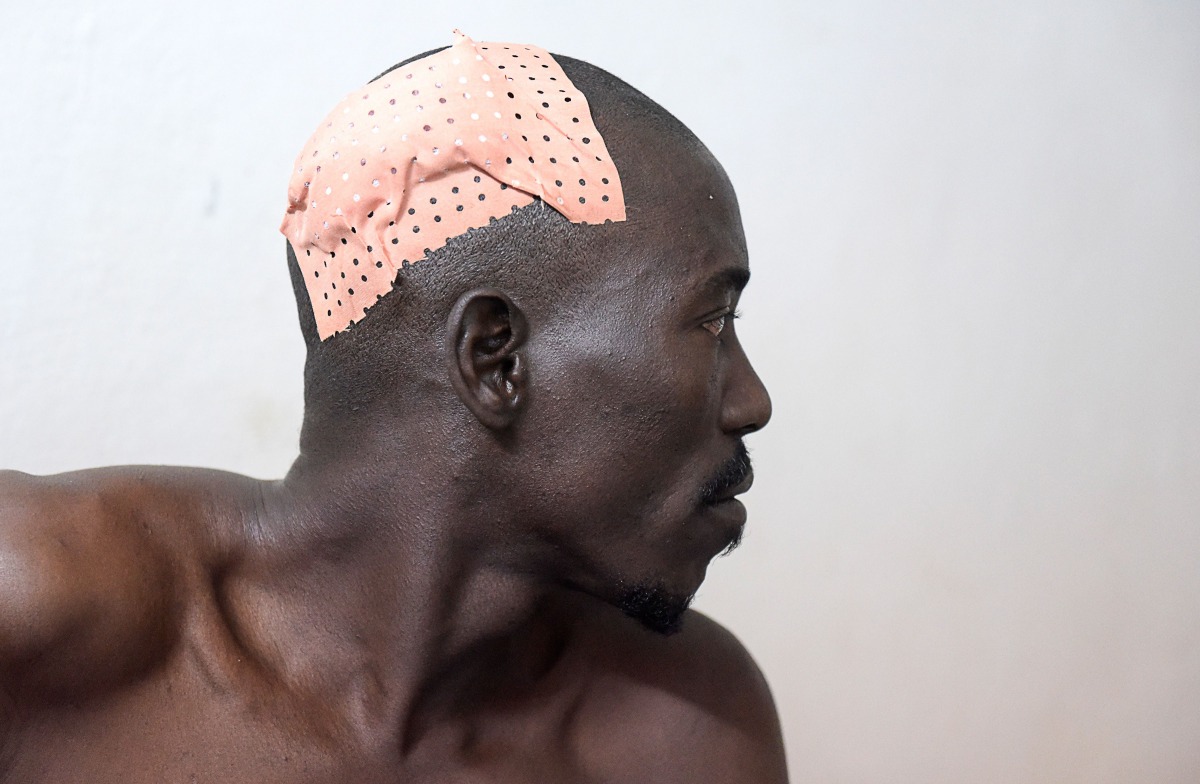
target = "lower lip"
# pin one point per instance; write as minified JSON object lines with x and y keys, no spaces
{"x":730,"y":510}
{"x":729,"y":517}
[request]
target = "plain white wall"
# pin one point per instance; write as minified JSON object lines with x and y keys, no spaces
{"x":974,"y":547}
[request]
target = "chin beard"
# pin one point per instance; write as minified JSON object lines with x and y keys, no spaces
{"x":655,"y":607}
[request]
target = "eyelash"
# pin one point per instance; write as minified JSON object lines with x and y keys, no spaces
{"x":732,"y":314}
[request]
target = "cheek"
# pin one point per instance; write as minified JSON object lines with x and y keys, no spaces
{"x":626,"y":433}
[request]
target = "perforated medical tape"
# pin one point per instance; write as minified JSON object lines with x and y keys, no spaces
{"x":430,"y":151}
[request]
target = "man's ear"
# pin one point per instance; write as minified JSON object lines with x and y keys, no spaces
{"x":483,"y":337}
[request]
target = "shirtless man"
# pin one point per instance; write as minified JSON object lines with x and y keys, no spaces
{"x":514,"y":470}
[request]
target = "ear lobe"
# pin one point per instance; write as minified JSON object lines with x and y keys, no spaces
{"x":483,"y":337}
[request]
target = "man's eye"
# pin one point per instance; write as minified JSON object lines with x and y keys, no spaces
{"x":717,"y":325}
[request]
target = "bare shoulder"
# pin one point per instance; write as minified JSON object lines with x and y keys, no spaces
{"x":695,"y":705}
{"x":87,"y":581}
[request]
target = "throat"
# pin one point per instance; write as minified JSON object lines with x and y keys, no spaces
{"x":514,"y":670}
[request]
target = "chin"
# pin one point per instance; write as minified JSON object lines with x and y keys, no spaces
{"x":659,"y":601}
{"x":655,"y":606}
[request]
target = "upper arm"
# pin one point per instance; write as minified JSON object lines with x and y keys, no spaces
{"x":81,"y":591}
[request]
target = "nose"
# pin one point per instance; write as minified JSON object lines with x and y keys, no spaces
{"x":746,"y":406}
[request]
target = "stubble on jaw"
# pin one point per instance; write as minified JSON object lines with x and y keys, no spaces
{"x":652,"y":604}
{"x":655,"y":607}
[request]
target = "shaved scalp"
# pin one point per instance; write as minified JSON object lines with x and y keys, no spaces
{"x":535,"y":254}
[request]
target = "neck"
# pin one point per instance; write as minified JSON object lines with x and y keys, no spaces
{"x":381,"y":592}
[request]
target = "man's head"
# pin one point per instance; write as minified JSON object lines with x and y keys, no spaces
{"x":580,"y":387}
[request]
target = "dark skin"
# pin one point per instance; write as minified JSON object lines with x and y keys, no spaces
{"x":443,"y":601}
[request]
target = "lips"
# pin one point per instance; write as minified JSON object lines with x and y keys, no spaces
{"x":734,"y":477}
{"x":736,"y":490}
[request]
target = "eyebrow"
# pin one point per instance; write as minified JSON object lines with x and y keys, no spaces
{"x":734,"y":278}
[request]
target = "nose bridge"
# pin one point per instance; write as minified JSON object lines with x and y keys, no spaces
{"x":746,"y":404}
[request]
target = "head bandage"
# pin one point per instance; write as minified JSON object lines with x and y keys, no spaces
{"x":431,"y":150}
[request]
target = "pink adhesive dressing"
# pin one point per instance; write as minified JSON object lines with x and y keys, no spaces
{"x":431,"y":150}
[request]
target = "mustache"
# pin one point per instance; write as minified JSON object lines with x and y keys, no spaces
{"x":732,"y":473}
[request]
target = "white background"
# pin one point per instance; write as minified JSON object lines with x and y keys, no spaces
{"x":974,"y":548}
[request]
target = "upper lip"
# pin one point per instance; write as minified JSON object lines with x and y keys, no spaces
{"x":737,"y":489}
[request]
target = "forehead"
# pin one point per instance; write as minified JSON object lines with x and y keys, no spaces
{"x":684,"y":230}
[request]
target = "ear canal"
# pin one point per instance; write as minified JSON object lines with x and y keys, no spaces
{"x":500,"y":335}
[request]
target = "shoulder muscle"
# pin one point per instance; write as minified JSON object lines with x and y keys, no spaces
{"x":84,"y":593}
{"x":695,"y":703}
{"x":745,"y":736}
